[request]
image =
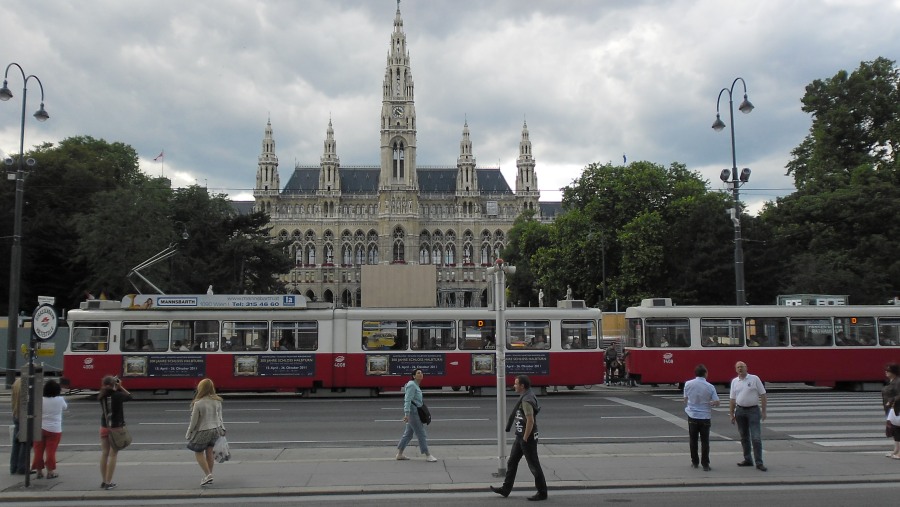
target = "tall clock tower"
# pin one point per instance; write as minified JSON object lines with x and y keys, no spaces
{"x":398,"y":116}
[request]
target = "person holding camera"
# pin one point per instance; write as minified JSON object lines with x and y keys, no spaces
{"x":112,"y":397}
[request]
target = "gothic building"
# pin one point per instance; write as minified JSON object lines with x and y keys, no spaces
{"x":339,"y":218}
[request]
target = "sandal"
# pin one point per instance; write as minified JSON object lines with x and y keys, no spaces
{"x":40,"y":474}
{"x":52,"y":475}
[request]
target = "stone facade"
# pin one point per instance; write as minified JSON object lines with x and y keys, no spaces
{"x":339,"y":218}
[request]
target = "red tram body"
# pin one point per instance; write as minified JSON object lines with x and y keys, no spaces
{"x":283,"y":343}
{"x":834,"y":346}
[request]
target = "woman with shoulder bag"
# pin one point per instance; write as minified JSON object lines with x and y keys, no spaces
{"x":205,"y":428}
{"x":412,"y":399}
{"x":112,"y":415}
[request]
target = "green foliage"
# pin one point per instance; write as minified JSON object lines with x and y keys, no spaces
{"x":91,"y":215}
{"x":856,"y":123}
{"x":629,"y":232}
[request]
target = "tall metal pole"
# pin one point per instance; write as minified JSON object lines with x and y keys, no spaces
{"x":740,"y":295}
{"x":500,"y":350}
{"x":737,"y":179}
{"x":15,"y":262}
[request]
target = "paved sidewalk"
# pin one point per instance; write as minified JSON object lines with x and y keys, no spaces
{"x":160,"y":474}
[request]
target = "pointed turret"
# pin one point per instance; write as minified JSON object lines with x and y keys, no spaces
{"x":330,"y":163}
{"x":466,"y":178}
{"x":527,"y":192}
{"x":267,"y":181}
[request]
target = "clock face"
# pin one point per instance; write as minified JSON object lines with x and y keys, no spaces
{"x":398,"y":111}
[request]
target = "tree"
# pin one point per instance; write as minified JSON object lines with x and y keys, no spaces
{"x":856,"y":122}
{"x":652,"y":230}
{"x":58,"y":189}
{"x":524,"y":239}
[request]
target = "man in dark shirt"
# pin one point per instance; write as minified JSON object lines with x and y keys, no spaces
{"x":523,"y":418}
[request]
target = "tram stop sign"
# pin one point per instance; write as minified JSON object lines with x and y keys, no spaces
{"x":44,"y":322}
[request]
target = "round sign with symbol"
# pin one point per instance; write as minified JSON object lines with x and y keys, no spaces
{"x":44,"y":322}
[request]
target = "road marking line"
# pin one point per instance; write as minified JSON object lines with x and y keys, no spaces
{"x":662,"y":414}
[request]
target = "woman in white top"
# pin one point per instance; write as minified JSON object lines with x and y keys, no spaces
{"x":206,"y":426}
{"x":51,"y":431}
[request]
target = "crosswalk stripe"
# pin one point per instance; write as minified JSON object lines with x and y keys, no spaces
{"x":846,"y":420}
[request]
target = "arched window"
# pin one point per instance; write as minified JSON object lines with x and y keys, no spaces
{"x":399,"y":245}
{"x":398,"y":161}
{"x":373,"y":254}
{"x":424,"y":254}
{"x":310,"y":254}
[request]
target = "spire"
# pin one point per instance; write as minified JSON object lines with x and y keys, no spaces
{"x":267,"y":181}
{"x":526,"y":180}
{"x":330,"y":164}
{"x":466,"y":177}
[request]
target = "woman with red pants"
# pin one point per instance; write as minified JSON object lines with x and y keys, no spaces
{"x":51,"y":431}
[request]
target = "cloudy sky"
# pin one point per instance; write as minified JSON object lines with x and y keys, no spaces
{"x":594,"y":79}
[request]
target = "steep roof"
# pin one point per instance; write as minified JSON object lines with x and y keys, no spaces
{"x":364,"y":180}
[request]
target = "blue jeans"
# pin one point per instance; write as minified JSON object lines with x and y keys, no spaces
{"x":748,"y":423}
{"x":414,"y":426}
{"x":529,"y":450}
{"x":698,"y":430}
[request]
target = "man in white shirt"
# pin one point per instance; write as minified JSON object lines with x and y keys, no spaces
{"x":699,"y":398}
{"x":747,"y":407}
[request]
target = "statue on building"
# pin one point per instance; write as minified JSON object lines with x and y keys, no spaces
{"x":541,"y":298}
{"x":568,"y":292}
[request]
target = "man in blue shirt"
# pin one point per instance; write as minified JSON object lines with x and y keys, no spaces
{"x":699,"y":398}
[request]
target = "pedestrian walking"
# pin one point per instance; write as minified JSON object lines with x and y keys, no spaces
{"x":412,"y":400}
{"x":205,"y":428}
{"x":893,"y":419}
{"x":699,"y":398}
{"x":112,"y":397}
{"x":891,"y":388}
{"x":524,"y":419}
{"x":747,"y":408}
{"x":18,"y":457}
{"x":52,"y":409}
{"x":889,"y":394}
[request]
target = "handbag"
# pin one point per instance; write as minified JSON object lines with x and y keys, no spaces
{"x":221,"y":451}
{"x":424,"y":413}
{"x":119,"y":438}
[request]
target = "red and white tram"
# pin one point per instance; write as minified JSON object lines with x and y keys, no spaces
{"x":835,"y":346}
{"x":283,"y":343}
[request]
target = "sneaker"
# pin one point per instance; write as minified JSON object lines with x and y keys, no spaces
{"x":103,"y":485}
{"x":706,"y":468}
{"x":430,"y":458}
{"x":401,"y":457}
{"x":111,"y":485}
{"x":207,"y":480}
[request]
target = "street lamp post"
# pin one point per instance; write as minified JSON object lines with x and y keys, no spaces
{"x":15,"y":263}
{"x":499,"y":271}
{"x":736,"y":179}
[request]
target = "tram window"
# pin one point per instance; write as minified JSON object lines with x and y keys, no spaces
{"x":145,"y":336}
{"x":245,"y":336}
{"x":477,"y":334}
{"x":811,"y":333}
{"x":433,"y":335}
{"x":384,"y":335}
{"x":854,"y":331}
{"x":90,"y":337}
{"x":889,"y":332}
{"x":303,"y":335}
{"x":721,"y":333}
{"x":195,"y":335}
{"x":634,"y":336}
{"x":579,"y":334}
{"x":767,"y":332}
{"x":528,"y":334}
{"x":668,"y":332}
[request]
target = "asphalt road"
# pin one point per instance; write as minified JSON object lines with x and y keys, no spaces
{"x":581,"y":416}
